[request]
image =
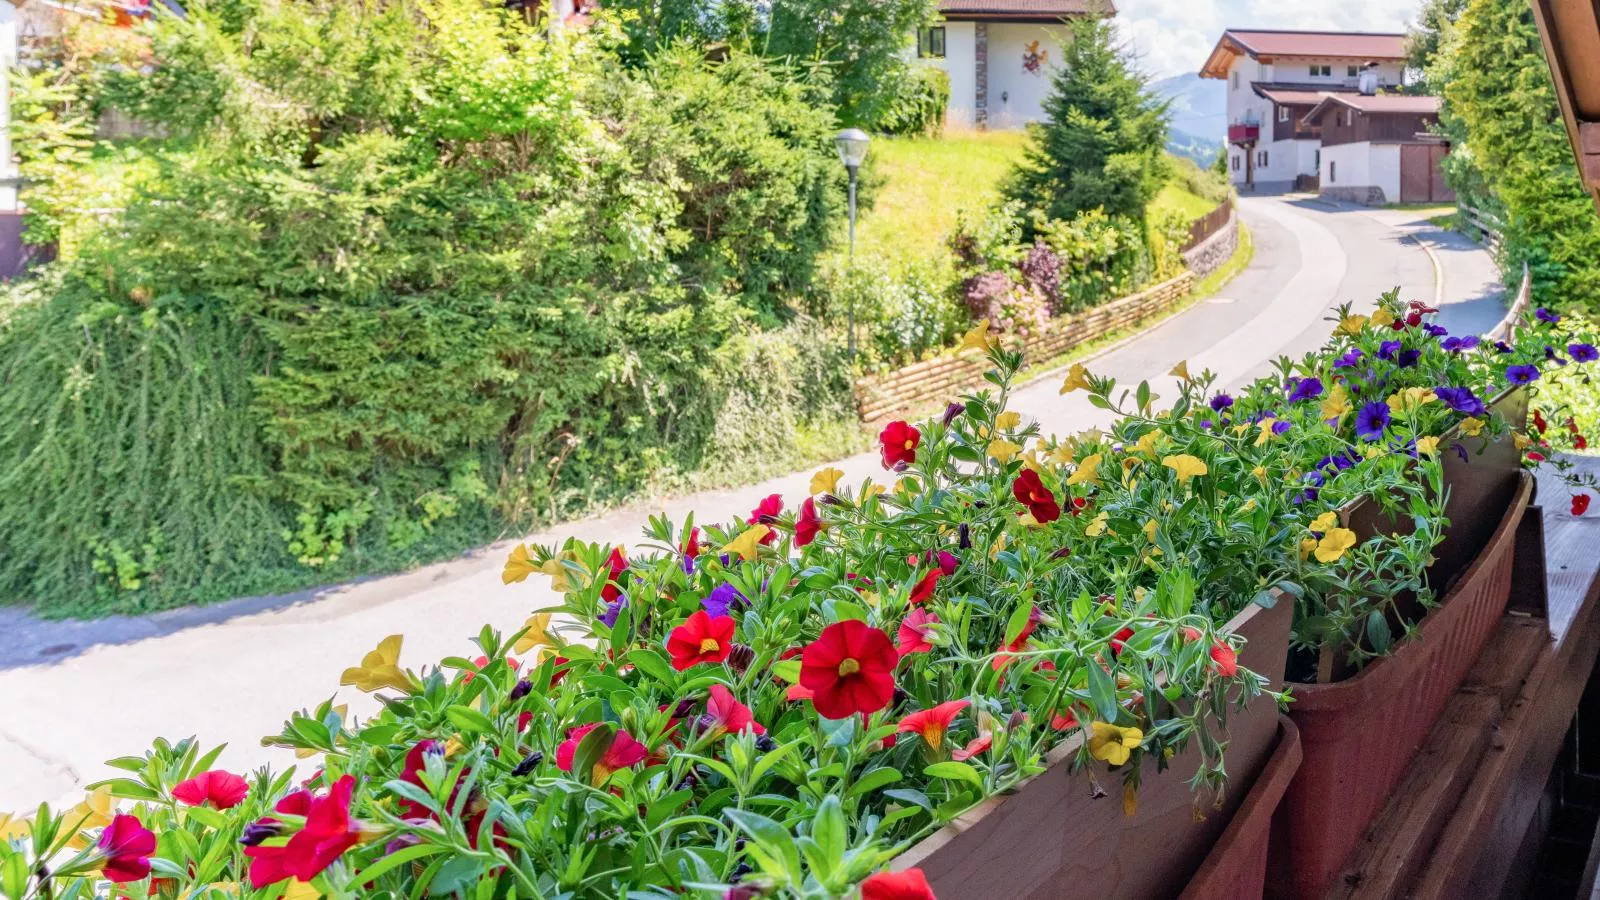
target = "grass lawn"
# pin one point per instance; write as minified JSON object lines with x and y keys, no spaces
{"x":927,"y":183}
{"x":1175,"y":196}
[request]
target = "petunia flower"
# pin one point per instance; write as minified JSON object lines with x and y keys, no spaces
{"x":1583,"y":353}
{"x":1408,"y":358}
{"x":1462,"y":400}
{"x":379,"y":669}
{"x":746,"y":543}
{"x":850,"y":669}
{"x":1087,"y":471}
{"x":1471,"y":426}
{"x":1077,"y":379}
{"x":766,"y":513}
{"x":722,"y":599}
{"x":977,"y":339}
{"x":908,"y":885}
{"x":1002,"y":450}
{"x":623,"y":753}
{"x":1349,"y":360}
{"x":914,"y":632}
{"x":1186,"y":466}
{"x":616,"y":564}
{"x":974,"y":747}
{"x":536,"y":633}
{"x":1372,"y":420}
{"x":1458,"y":344}
{"x":613,"y":609}
{"x":701,"y":639}
{"x":1113,"y":744}
{"x":1225,"y":659}
{"x":519,"y":565}
{"x":328,"y":832}
{"x":826,"y":481}
{"x":898,"y":443}
{"x":726,"y":715}
{"x":1334,"y":544}
{"x":126,"y":846}
{"x":1221,"y":402}
{"x":223,"y":790}
{"x":932,"y":724}
{"x":1388,"y":349}
{"x":807,"y":525}
{"x":1546,"y":316}
{"x":1306,"y":389}
{"x":1428,"y":446}
{"x":1031,"y":492}
{"x":1524,"y":374}
{"x":1580,"y":504}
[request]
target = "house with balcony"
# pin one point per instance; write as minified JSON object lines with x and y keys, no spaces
{"x":999,"y":56}
{"x":1275,"y":79}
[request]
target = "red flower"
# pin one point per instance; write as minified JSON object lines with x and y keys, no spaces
{"x":624,"y":752}
{"x":1539,"y":424}
{"x":727,"y":714}
{"x":1536,"y":456}
{"x":701,"y":639}
{"x":618,"y":564}
{"x":223,"y":790}
{"x":127,"y":846}
{"x":908,"y":885}
{"x":798,"y":692}
{"x":974,"y":747}
{"x":328,"y":833}
{"x":481,"y":662}
{"x":1226,"y":660}
{"x":1062,"y":722}
{"x":1118,"y":639}
{"x":913,"y":634}
{"x":691,"y":547}
{"x":899,"y":444}
{"x":1003,"y":658}
{"x":850,"y":669}
{"x":1580,"y":504}
{"x":808,"y":524}
{"x":1032,"y":493}
{"x":764,"y":514}
{"x":923,"y":590}
{"x":931,"y":724}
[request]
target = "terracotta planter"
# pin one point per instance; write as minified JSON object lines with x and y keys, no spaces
{"x":1052,"y":839}
{"x":1359,"y":735}
{"x":1236,"y":868}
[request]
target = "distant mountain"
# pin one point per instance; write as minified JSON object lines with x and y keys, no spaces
{"x":1199,"y":114}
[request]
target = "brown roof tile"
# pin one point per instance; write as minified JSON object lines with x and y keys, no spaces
{"x":1021,"y":9}
{"x":1337,"y":44}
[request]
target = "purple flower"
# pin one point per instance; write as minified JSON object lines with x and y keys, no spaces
{"x":1221,"y":402}
{"x":1550,"y":356}
{"x":952,"y":411}
{"x":1502,"y":346}
{"x":1457,"y":344}
{"x":1461,"y":451}
{"x":1583,"y":352}
{"x":1462,"y":400}
{"x":1349,"y":359}
{"x":1205,"y":425}
{"x":614,"y":609}
{"x":1306,"y":389}
{"x":1280,"y":426}
{"x":1372,"y":420}
{"x":1546,"y":316}
{"x":721,"y":599}
{"x":1436,"y":330}
{"x":1408,"y":358}
{"x":1388,"y":349}
{"x":1522,"y":374}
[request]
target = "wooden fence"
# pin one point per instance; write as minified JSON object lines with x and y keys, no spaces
{"x":1484,"y":224}
{"x":1208,"y":224}
{"x":934,"y":382}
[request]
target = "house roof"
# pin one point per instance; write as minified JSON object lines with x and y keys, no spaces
{"x":1376,"y":105}
{"x":1264,"y":45}
{"x":1571,"y":34}
{"x":1021,"y":10}
{"x":1286,"y":94}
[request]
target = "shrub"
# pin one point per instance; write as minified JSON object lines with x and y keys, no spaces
{"x":1102,"y":258}
{"x":918,"y":107}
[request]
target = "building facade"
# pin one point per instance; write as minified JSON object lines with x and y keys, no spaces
{"x":1378,"y":149}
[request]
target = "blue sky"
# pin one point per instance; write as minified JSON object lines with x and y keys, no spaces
{"x":1174,"y":36}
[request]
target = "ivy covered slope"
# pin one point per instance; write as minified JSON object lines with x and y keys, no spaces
{"x":453,"y":278}
{"x":778,"y":706}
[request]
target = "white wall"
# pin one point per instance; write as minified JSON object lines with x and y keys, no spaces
{"x":960,"y":48}
{"x":1383,"y":168}
{"x":1348,"y":165}
{"x":1016,"y":96}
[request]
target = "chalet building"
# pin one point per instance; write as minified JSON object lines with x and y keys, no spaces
{"x":999,"y":56}
{"x":1275,"y":79}
{"x":1377,"y":148}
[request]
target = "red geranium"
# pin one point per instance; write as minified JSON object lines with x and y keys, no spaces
{"x":328,"y":833}
{"x":727,"y":715}
{"x":1580,"y":504}
{"x":1032,"y":493}
{"x":1226,"y":660}
{"x":850,"y":669}
{"x":908,"y":885}
{"x":899,"y":444}
{"x":616,"y":563}
{"x":764,"y":514}
{"x":127,"y":846}
{"x":913,"y":634}
{"x":624,"y":752}
{"x":932,"y":724}
{"x":701,"y":639}
{"x":808,"y":525}
{"x":223,"y":790}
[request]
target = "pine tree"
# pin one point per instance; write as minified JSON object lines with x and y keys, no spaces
{"x":1102,"y":144}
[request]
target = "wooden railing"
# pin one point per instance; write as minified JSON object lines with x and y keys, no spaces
{"x":1519,"y":308}
{"x":1484,"y":224}
{"x":1208,"y":224}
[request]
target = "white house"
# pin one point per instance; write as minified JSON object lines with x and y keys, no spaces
{"x":999,"y":56}
{"x":1376,"y":148}
{"x":1275,"y":78}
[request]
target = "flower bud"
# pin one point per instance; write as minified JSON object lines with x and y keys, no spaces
{"x":767,"y":519}
{"x":256,"y":832}
{"x":685,"y":707}
{"x":528,"y":764}
{"x":952,"y":411}
{"x":740,"y":656}
{"x":829,"y":500}
{"x":765,"y":743}
{"x":964,"y":541}
{"x":522,"y":689}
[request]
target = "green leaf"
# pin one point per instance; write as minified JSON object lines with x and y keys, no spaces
{"x":844,"y":609}
{"x":592,"y":748}
{"x":873,"y":780}
{"x":773,"y":844}
{"x":1266,"y":599}
{"x":1102,"y":692}
{"x":468,"y":719}
{"x":655,"y":665}
{"x":664,"y":807}
{"x":456,"y":873}
{"x":1378,"y":633}
{"x":385,"y":864}
{"x":1018,"y":621}
{"x":955,"y":771}
{"x":830,"y":832}
{"x":788,"y":670}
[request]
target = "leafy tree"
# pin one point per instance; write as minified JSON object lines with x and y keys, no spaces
{"x":1102,"y":145}
{"x":1428,"y":37}
{"x":1497,"y":84}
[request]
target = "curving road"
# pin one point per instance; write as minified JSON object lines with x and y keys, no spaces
{"x":75,"y":694}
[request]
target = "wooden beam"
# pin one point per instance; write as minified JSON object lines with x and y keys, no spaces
{"x":1570,"y":31}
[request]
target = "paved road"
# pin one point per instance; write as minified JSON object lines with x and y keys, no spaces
{"x":75,"y":694}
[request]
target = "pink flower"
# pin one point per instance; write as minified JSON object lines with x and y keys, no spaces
{"x":726,"y":714}
{"x":914,"y":631}
{"x":127,"y":846}
{"x":624,"y":753}
{"x":223,"y":790}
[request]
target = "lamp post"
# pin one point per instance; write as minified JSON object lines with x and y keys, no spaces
{"x":852,"y":144}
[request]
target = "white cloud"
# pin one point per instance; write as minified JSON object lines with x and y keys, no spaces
{"x":1174,"y":36}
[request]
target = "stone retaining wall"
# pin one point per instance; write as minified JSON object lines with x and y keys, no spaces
{"x":1210,"y":254}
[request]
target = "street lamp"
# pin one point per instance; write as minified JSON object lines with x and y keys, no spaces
{"x":852,"y":144}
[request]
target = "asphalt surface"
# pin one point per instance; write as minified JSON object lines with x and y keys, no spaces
{"x":73,"y":694}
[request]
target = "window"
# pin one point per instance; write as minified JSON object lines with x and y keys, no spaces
{"x":1352,"y":71}
{"x":1235,"y":159}
{"x":1333,"y":171}
{"x":1236,"y":81}
{"x":1283,"y":114}
{"x":1261,"y":158}
{"x":930,"y":42}
{"x":1316,"y":159}
{"x":1321,"y":71}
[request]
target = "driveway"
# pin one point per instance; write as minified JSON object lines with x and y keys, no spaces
{"x":73,"y":694}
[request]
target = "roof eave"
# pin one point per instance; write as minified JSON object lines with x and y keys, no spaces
{"x":1570,"y":30}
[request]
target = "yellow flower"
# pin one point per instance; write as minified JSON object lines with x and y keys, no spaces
{"x":1248,"y":505}
{"x":379,"y":669}
{"x":1382,"y":318}
{"x":1130,"y":800}
{"x":1030,"y":460}
{"x":1409,"y":399}
{"x":1352,"y":324}
{"x":1008,"y":420}
{"x":12,"y":827}
{"x":537,"y":634}
{"x":1472,"y":426}
{"x":1113,"y":744}
{"x":1266,"y":430}
{"x":300,"y":890}
{"x":1063,"y":453}
{"x":1148,"y":440}
{"x":95,"y":810}
{"x":1098,"y":526}
{"x":1306,"y":546}
{"x":870,"y":490}
{"x":1186,"y":466}
{"x":1181,"y":370}
{"x":1324,"y":522}
{"x":748,"y":541}
{"x":1260,"y":472}
{"x":1374,"y":451}
{"x":1150,"y":530}
{"x":1027,"y":520}
{"x":998,"y":545}
{"x":1428,"y":446}
{"x":1085,"y":473}
{"x":556,"y":568}
{"x":1337,"y":403}
{"x":519,"y":565}
{"x":977,"y":339}
{"x":825,"y":481}
{"x":1077,"y":379}
{"x":1334,"y":544}
{"x":906,"y":486}
{"x":1003,"y":450}
{"x":1522,"y":441}
{"x":453,"y":746}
